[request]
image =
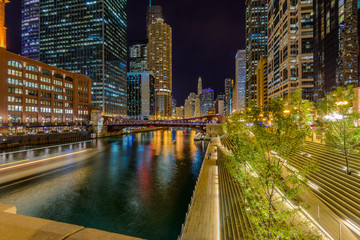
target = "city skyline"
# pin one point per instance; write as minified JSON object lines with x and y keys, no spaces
{"x":214,"y":66}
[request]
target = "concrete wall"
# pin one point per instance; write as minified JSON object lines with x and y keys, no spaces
{"x":214,"y":130}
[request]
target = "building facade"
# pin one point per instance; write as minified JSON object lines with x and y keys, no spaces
{"x":83,"y":37}
{"x":36,"y":93}
{"x":30,"y":29}
{"x":290,"y":48}
{"x":197,"y":100}
{"x":220,"y":104}
{"x":190,"y":106}
{"x":262,"y":83}
{"x":240,"y":80}
{"x":229,"y":86}
{"x":206,"y":101}
{"x":256,"y":43}
{"x":138,"y":56}
{"x":141,"y":95}
{"x":160,"y":62}
{"x":180,"y":112}
{"x":332,"y":39}
{"x":153,"y":12}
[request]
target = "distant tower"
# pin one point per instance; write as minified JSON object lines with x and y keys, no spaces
{"x":2,"y":24}
{"x":152,"y":14}
{"x":199,"y":86}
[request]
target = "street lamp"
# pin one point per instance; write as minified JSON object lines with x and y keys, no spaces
{"x":286,"y":111}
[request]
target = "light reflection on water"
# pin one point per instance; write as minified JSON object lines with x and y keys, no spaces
{"x":138,"y":185}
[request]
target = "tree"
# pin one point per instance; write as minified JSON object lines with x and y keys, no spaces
{"x":261,"y":164}
{"x":337,"y":113}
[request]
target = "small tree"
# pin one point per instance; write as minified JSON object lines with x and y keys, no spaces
{"x":262,"y":164}
{"x":337,"y":113}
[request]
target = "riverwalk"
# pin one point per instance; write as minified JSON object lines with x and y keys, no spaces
{"x":202,"y":221}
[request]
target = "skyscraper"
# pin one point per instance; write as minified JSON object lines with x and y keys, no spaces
{"x":141,"y":95}
{"x":240,"y":80}
{"x":190,"y":106}
{"x":199,"y":87}
{"x":197,"y":100}
{"x":30,"y":29}
{"x":160,"y":62}
{"x":207,"y":101}
{"x":87,"y":37}
{"x":138,"y":56}
{"x":262,"y":82}
{"x":332,"y":40}
{"x":256,"y":42}
{"x":290,"y":48}
{"x":229,"y":86}
{"x":153,"y":13}
{"x":220,"y":104}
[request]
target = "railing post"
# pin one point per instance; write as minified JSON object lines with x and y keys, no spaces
{"x":339,"y":230}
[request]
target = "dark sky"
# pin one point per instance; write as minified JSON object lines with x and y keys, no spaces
{"x":206,"y":36}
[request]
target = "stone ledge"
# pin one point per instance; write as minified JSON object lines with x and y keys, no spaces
{"x":94,"y":234}
{"x":7,"y":208}
{"x":14,"y":226}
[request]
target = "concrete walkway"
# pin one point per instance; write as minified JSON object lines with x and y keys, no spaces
{"x":203,"y":218}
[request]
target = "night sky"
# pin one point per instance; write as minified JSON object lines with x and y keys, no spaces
{"x":206,"y":36}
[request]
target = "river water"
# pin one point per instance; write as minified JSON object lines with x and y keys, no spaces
{"x":138,"y":185}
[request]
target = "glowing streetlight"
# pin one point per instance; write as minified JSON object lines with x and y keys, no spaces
{"x":341,"y":103}
{"x":286,"y":111}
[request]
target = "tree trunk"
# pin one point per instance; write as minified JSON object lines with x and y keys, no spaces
{"x":348,"y":172}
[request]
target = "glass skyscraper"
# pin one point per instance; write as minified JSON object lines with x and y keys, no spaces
{"x":206,"y":101}
{"x":30,"y":29}
{"x":256,"y":43}
{"x":336,"y":45}
{"x":240,"y":78}
{"x":87,"y":37}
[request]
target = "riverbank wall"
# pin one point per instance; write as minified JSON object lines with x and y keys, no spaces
{"x":42,"y":139}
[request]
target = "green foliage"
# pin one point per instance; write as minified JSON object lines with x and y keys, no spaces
{"x":260,"y":164}
{"x":336,"y":113}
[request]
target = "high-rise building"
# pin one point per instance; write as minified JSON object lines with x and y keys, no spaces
{"x":37,"y":93}
{"x":85,"y":37}
{"x":197,"y":100}
{"x":229,"y":86}
{"x":141,"y":95}
{"x":153,"y":13}
{"x":160,"y":62}
{"x":173,"y":107}
{"x":262,"y":83}
{"x":180,"y":112}
{"x":290,"y":48}
{"x":30,"y":29}
{"x":220,"y":104}
{"x":240,"y":80}
{"x":190,"y":106}
{"x":199,"y":87}
{"x":138,"y":56}
{"x":206,"y":101}
{"x":336,"y":49}
{"x":256,"y":42}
